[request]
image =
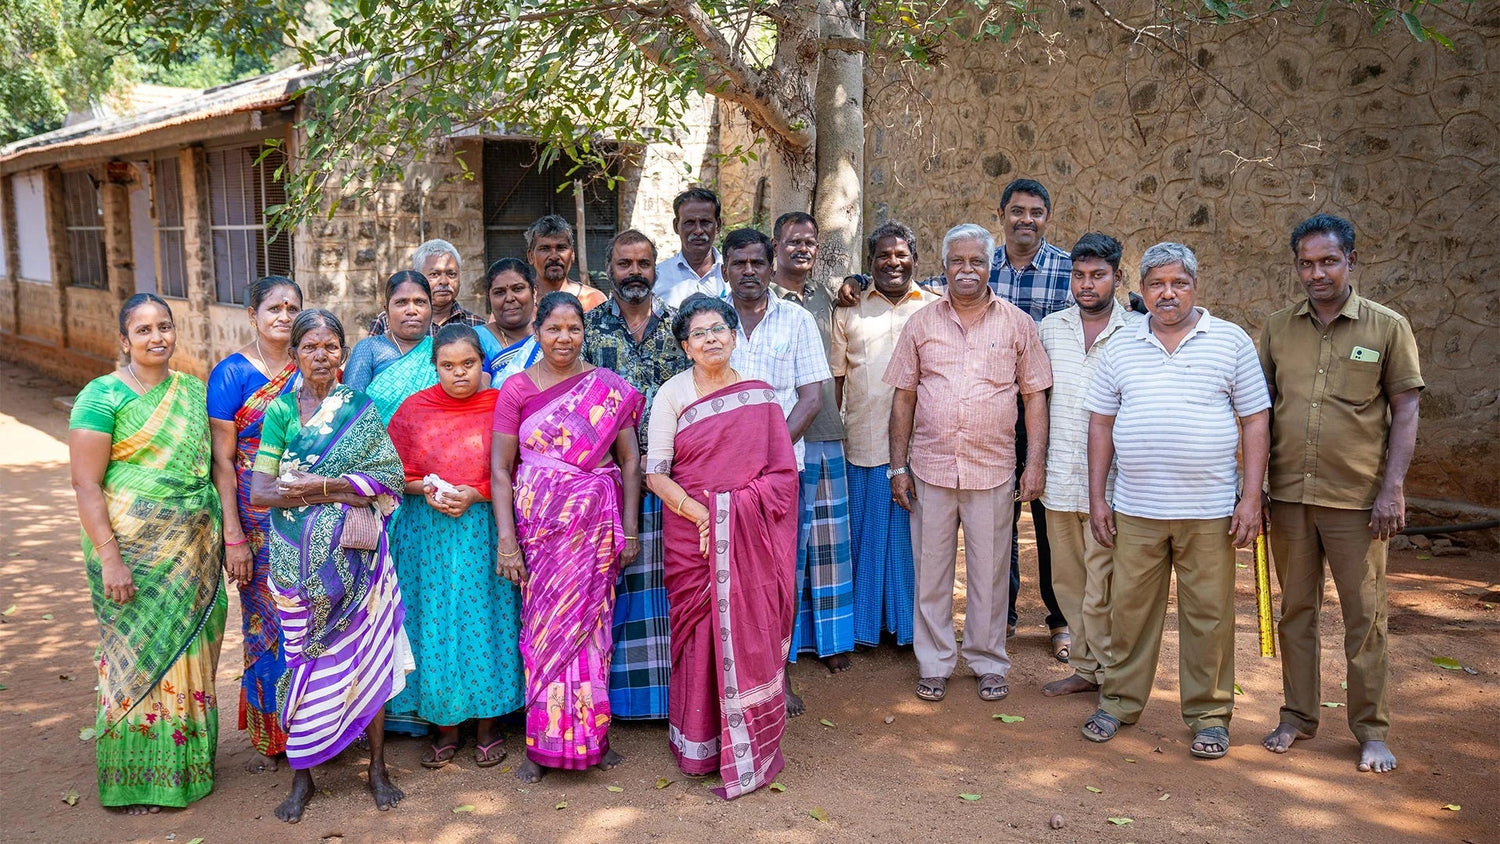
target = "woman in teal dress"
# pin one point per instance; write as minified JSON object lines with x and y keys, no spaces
{"x":464,"y":620}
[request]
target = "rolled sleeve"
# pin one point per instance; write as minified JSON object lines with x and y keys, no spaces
{"x":811,"y":362}
{"x":1033,"y":368}
{"x":838,"y":343}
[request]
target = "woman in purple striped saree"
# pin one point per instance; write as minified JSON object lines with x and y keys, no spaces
{"x":329,"y":472}
{"x":560,"y":504}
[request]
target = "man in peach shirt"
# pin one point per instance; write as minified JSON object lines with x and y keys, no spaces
{"x":957,"y":370}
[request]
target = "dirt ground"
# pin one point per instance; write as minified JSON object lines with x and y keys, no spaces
{"x":873,"y":780}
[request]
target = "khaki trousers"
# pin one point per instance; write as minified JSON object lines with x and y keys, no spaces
{"x":1301,"y":537}
{"x":1147,"y":553}
{"x":985,"y":517}
{"x":1081,"y":574}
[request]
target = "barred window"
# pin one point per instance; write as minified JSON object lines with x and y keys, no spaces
{"x":83,"y":219}
{"x":166,"y":199}
{"x":517,"y":191}
{"x":245,"y":247}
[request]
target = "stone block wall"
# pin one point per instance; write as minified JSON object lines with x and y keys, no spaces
{"x":1396,"y":135}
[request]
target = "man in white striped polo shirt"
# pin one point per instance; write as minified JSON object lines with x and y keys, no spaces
{"x":1165,"y":402}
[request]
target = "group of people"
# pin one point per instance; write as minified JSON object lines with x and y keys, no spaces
{"x":584,"y":507}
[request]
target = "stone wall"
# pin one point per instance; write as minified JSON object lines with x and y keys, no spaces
{"x":1396,"y":135}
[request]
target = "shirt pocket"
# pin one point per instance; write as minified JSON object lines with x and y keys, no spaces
{"x":999,"y":364}
{"x":1358,"y":381}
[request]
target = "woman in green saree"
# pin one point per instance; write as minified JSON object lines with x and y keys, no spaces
{"x":138,"y":445}
{"x":391,"y":367}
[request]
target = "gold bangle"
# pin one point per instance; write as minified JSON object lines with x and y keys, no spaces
{"x":325,"y":487}
{"x":99,"y":546}
{"x":304,"y":501}
{"x":515,"y":553}
{"x":629,"y":538}
{"x":681,"y":501}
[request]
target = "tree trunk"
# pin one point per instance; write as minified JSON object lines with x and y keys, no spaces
{"x":837,"y":202}
{"x":793,"y":78}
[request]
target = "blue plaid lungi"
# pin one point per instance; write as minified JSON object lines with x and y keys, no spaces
{"x":825,"y":570}
{"x":642,"y":663}
{"x":884,"y":568}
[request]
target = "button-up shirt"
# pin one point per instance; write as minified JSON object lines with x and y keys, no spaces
{"x":1042,"y":287}
{"x":676,"y":280}
{"x":967,"y":382}
{"x":864,"y":337}
{"x":459,"y":316}
{"x":645,"y":365}
{"x":1073,"y":370}
{"x":1175,"y":431}
{"x":1333,"y":385}
{"x":784,"y":351}
{"x":828,"y":425}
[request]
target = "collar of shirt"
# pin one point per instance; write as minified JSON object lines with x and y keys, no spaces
{"x":1045,"y":254}
{"x":1350,"y":309}
{"x":658,"y":307}
{"x":990,"y":304}
{"x":914,"y":292}
{"x":1118,"y":315}
{"x":1205,"y":323}
{"x":682,"y":264}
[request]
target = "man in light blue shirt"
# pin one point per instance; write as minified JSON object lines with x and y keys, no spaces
{"x":698,"y":268}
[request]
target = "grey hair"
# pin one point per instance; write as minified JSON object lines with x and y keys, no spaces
{"x":970,"y":231}
{"x":433,"y":248}
{"x":549,"y":226}
{"x":1166,"y":254}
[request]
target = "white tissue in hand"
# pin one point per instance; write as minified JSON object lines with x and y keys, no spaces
{"x":443,"y":488}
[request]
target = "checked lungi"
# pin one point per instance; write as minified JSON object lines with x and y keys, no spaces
{"x":642,"y":664}
{"x":825,"y":568}
{"x":884,"y":570}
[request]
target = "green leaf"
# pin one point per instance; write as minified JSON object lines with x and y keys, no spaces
{"x":1121,"y":821}
{"x":1414,"y":26}
{"x":1331,"y":704}
{"x":87,"y":734}
{"x":1128,"y":759}
{"x":663,"y":782}
{"x":1447,"y":662}
{"x":46,"y":616}
{"x":1344,"y":684}
{"x":827,"y":723}
{"x":1094,"y":788}
{"x":818,"y":814}
{"x":464,"y":809}
{"x":561,"y":804}
{"x":1424,"y":556}
{"x":1238,"y":690}
{"x":1452,"y":807}
{"x":8,"y":610}
{"x":777,"y":786}
{"x":613,"y":788}
{"x":198,"y":840}
{"x":1008,"y":719}
{"x":969,"y":797}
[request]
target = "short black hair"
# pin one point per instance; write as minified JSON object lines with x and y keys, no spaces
{"x":625,"y":238}
{"x":141,"y":300}
{"x":890,"y":228}
{"x":1341,"y":229}
{"x":456,"y":333}
{"x":697,"y":194}
{"x":700,"y":303}
{"x":316,"y":318}
{"x":551,"y":302}
{"x":1101,"y":246}
{"x":740,"y":238}
{"x":258,"y":290}
{"x":793,"y":218}
{"x":1031,"y":186}
{"x":406,"y":277}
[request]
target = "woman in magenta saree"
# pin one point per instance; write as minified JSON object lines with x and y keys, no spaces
{"x":560,"y":502}
{"x":721,"y":459}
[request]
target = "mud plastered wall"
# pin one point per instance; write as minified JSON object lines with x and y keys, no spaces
{"x":1396,"y":135}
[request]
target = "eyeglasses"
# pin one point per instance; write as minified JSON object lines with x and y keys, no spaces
{"x":719,"y":332}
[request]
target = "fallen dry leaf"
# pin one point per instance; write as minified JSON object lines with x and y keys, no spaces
{"x":1331,"y":704}
{"x":827,"y":723}
{"x":818,"y":814}
{"x":1447,"y":662}
{"x":969,"y":797}
{"x":1238,"y":690}
{"x":8,"y":610}
{"x":614,"y":788}
{"x":777,"y":786}
{"x":87,"y":734}
{"x":71,"y":798}
{"x":561,"y":804}
{"x":1008,"y":719}
{"x":1094,"y":788}
{"x":46,"y":616}
{"x":459,"y":810}
{"x":663,"y":782}
{"x":1128,"y":759}
{"x":1453,"y":807}
{"x":195,"y":840}
{"x":1121,"y":821}
{"x":1164,"y":795}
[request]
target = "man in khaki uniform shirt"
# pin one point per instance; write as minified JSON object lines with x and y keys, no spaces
{"x":1344,"y":380}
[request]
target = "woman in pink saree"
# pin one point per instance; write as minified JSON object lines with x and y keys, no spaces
{"x":565,"y":478}
{"x":721,"y":460}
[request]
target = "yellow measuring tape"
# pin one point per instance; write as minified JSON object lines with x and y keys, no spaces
{"x":1263,"y":617}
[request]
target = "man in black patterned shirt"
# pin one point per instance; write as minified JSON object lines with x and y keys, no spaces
{"x":631,"y":333}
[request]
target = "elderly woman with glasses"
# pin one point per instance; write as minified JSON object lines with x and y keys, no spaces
{"x":720,"y":457}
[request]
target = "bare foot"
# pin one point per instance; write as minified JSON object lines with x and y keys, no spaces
{"x":291,"y":808}
{"x":386,"y":793}
{"x":140,"y":809}
{"x":1071,"y":684}
{"x":838,"y":663}
{"x":1280,"y":740}
{"x":611,"y":759}
{"x":260,"y":764}
{"x":794,"y":704}
{"x":530,"y":772}
{"x":1375,"y":756}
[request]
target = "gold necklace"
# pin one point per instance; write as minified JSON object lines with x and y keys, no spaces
{"x":130,"y":368}
{"x":734,"y":377}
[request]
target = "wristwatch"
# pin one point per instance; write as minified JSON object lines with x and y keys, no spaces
{"x":891,"y":473}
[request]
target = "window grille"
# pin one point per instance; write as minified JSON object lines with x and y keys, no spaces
{"x":245,"y":247}
{"x":83,"y":220}
{"x":517,"y":191}
{"x":166,"y":199}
